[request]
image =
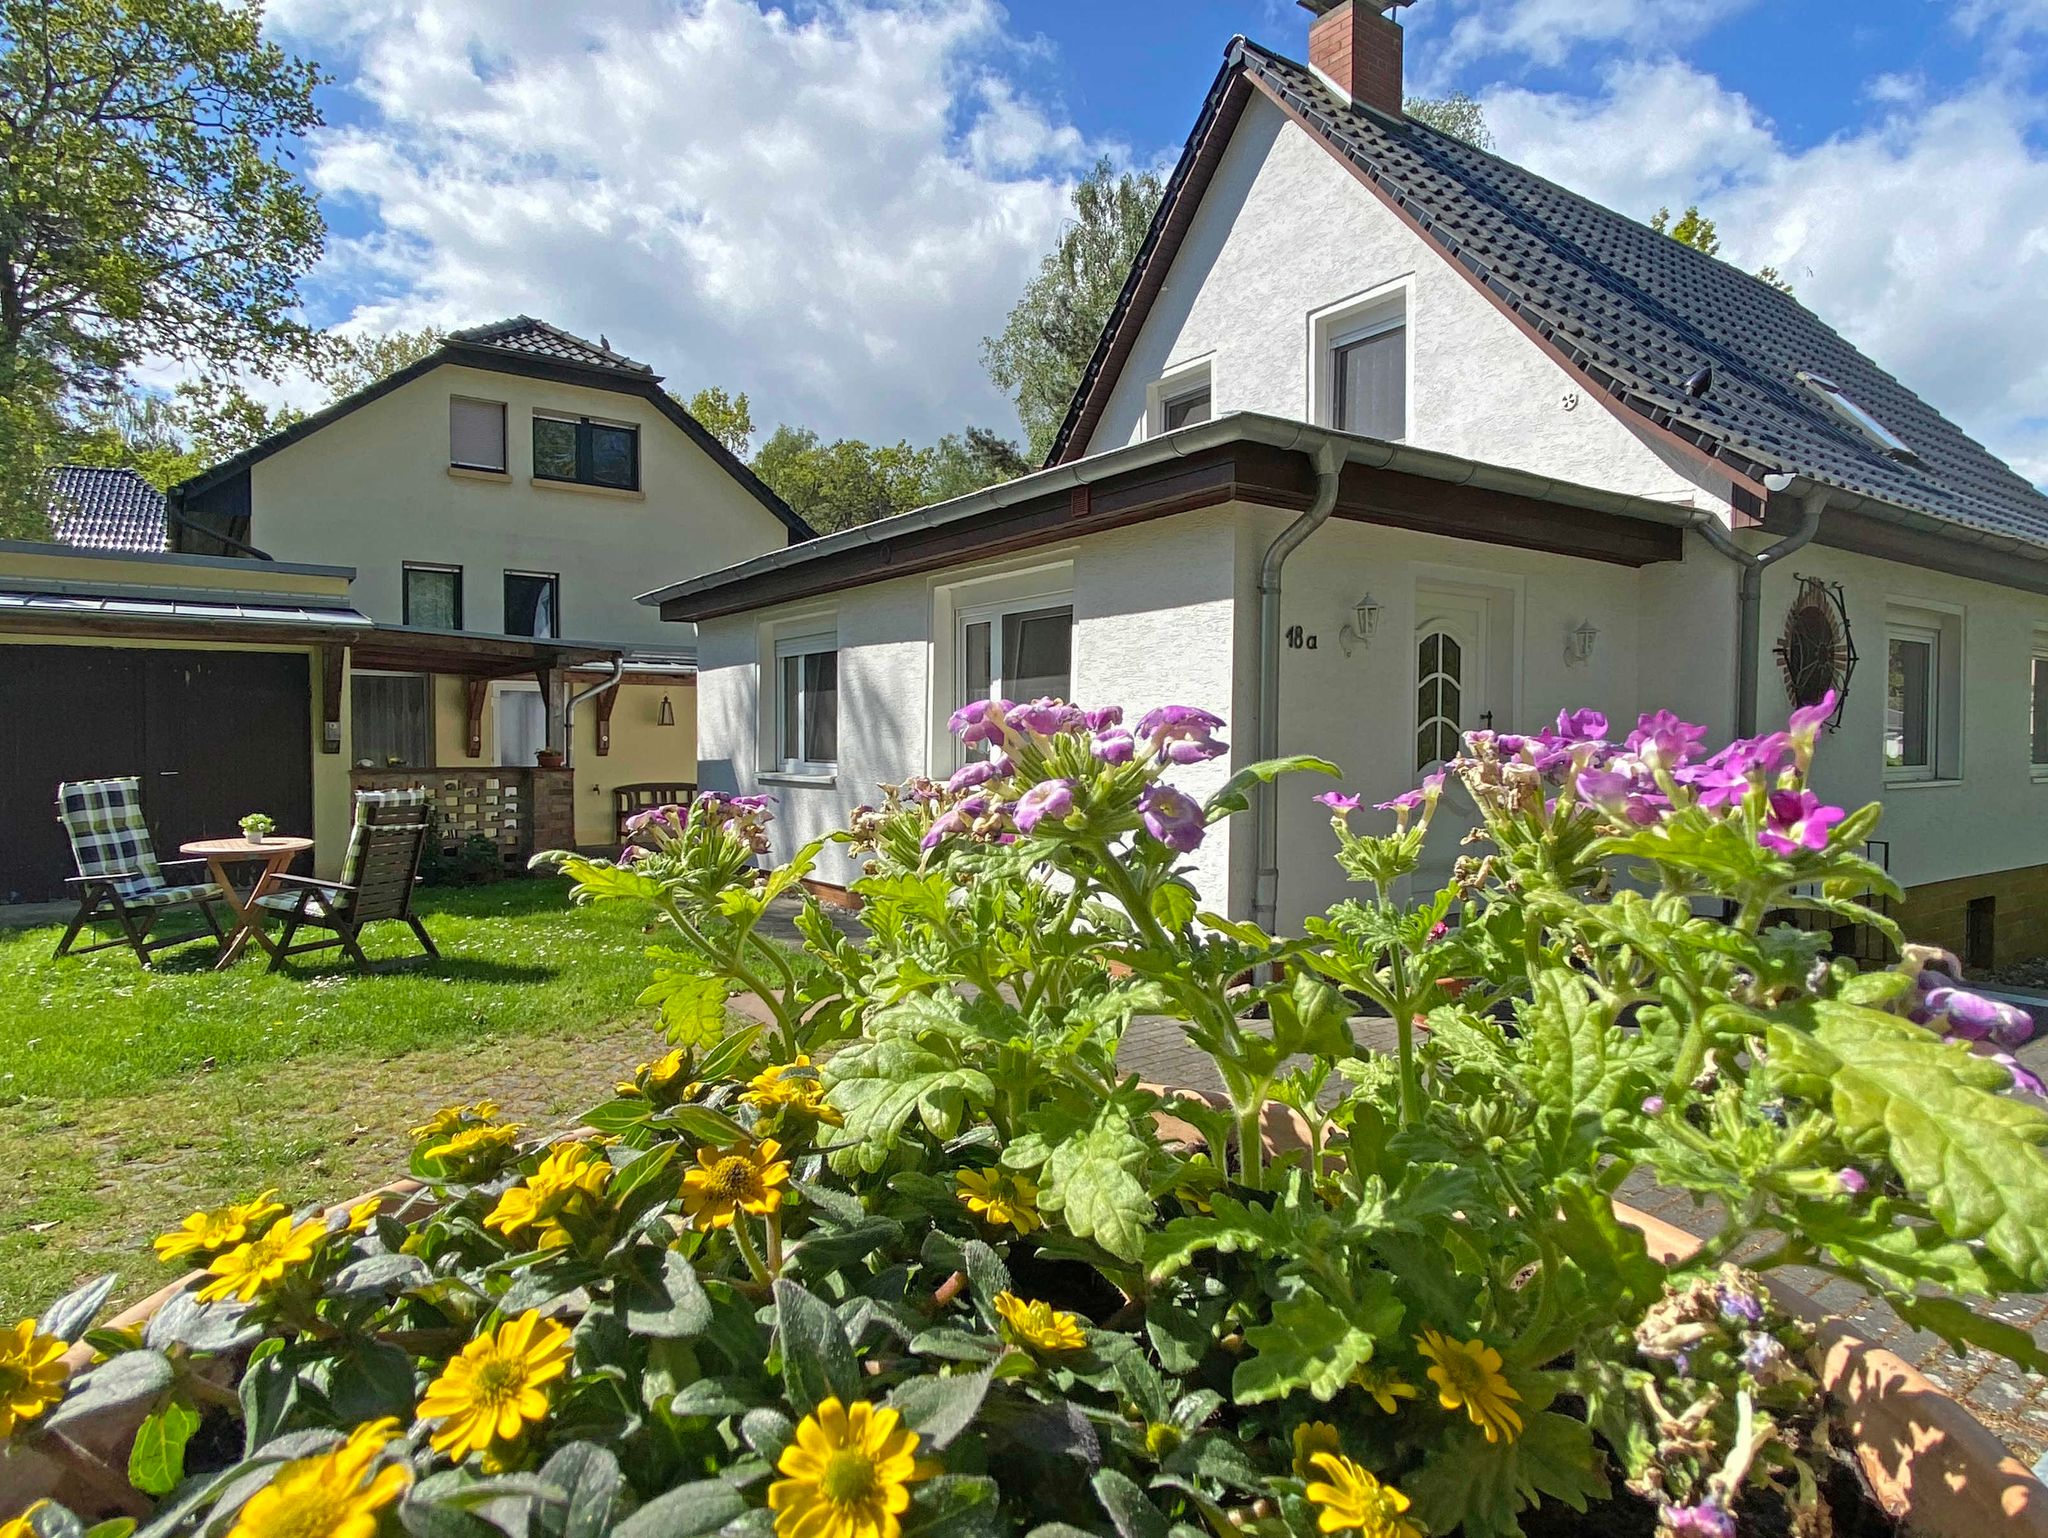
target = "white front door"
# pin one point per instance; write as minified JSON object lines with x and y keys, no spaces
{"x":522,"y":724}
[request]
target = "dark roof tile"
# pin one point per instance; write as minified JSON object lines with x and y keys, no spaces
{"x":105,"y":509}
{"x":522,"y":333}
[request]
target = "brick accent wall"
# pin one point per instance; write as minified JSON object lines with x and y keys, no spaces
{"x":1360,"y":50}
{"x":554,"y":809}
{"x":496,"y":804}
{"x":1939,"y":914}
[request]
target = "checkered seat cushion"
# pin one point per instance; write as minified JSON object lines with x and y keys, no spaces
{"x":352,"y":861}
{"x":110,"y":840}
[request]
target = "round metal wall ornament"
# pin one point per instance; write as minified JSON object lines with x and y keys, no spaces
{"x":1815,"y":648}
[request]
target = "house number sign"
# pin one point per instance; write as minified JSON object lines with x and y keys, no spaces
{"x":1299,"y":639}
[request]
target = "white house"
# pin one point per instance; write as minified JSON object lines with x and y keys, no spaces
{"x":1387,"y":439}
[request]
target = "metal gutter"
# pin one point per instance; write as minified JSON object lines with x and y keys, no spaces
{"x":1236,"y":427}
{"x":177,"y":558}
{"x":1749,"y":586}
{"x":602,"y":686}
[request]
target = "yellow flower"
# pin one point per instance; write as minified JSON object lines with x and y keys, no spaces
{"x":32,"y":1375}
{"x":1354,"y":1499}
{"x":22,"y":1526}
{"x":848,"y":1474}
{"x":1038,"y":1326}
{"x":208,"y":1233}
{"x":453,"y":1118}
{"x":747,"y":1177}
{"x":1386,"y":1385}
{"x":364,"y":1213}
{"x":493,"y":1390}
{"x":255,"y":1267}
{"x":654,"y":1079}
{"x":1470,"y":1375}
{"x":1310,"y":1438}
{"x":792,"y":1086}
{"x":330,"y":1495}
{"x":1000,"y":1198}
{"x":570,"y":1180}
{"x":473,"y":1152}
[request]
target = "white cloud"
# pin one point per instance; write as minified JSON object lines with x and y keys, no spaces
{"x":828,"y":212}
{"x":1546,"y":32}
{"x":1921,"y":236}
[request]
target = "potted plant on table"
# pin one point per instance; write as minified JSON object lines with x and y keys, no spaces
{"x":257,"y":827}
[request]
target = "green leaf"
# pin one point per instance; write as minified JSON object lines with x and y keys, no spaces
{"x":601,"y":882}
{"x":1230,"y":1225}
{"x":768,"y":1432}
{"x":722,"y":1059}
{"x":590,"y":1477}
{"x":368,"y":1379}
{"x":702,"y":1124}
{"x":379,"y":1276}
{"x":1235,"y":796}
{"x":685,"y":1512}
{"x":67,"y":1318}
{"x":123,"y":1380}
{"x":1479,"y":1487}
{"x":1173,"y":904}
{"x":692,"y":1005}
{"x":879,"y":1085}
{"x":952,"y":1506}
{"x":1311,"y":1344}
{"x":939,"y":1408}
{"x":1095,"y":1182}
{"x":1961,"y":1325}
{"x":1971,"y":1154}
{"x":156,"y":1463}
{"x":670,"y":1306}
{"x":1575,"y":1060}
{"x":1129,"y":1508}
{"x":200,"y":1327}
{"x":817,"y":1360}
{"x":1312,"y":1018}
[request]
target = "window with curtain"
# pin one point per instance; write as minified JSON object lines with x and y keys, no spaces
{"x":807,"y":704}
{"x":433,"y":597}
{"x":1369,"y":379}
{"x":1025,"y":653}
{"x":476,"y":434}
{"x":1911,"y":674}
{"x":533,"y":604}
{"x":391,"y":722}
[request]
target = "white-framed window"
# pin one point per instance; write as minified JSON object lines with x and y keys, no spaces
{"x":2037,"y":700}
{"x":1017,"y":651}
{"x":1361,"y":365}
{"x":1923,"y":694}
{"x":476,"y":434}
{"x":807,"y":704}
{"x":1182,"y":397}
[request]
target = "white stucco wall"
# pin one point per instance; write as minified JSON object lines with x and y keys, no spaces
{"x":373,"y":490}
{"x":1283,"y":234}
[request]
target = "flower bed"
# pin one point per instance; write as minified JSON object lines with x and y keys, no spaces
{"x":910,"y":1257}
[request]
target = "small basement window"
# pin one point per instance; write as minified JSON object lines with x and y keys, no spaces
{"x":586,"y":452}
{"x":1837,"y":401}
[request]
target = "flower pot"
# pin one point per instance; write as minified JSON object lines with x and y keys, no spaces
{"x":547,"y":758}
{"x":257,"y":838}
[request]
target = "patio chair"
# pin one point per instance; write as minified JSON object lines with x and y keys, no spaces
{"x":119,"y":876}
{"x":378,"y":875}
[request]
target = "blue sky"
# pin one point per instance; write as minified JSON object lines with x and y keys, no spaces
{"x":829,"y":204}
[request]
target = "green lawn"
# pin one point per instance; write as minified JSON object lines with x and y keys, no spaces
{"x":129,"y":1097}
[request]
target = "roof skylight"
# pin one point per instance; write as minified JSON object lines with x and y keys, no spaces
{"x":1868,"y":425}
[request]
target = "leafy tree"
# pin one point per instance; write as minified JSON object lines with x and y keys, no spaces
{"x":140,"y":429}
{"x":1049,"y":337}
{"x":1459,"y":115}
{"x":728,"y":418}
{"x":845,"y":482}
{"x":970,"y":461}
{"x":1695,"y":229}
{"x":346,"y":364}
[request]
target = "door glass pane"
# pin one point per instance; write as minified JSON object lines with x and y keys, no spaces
{"x":821,"y":707}
{"x":2041,"y":710}
{"x":522,"y":726}
{"x":1038,"y":654}
{"x":1453,"y":659}
{"x":433,"y":599}
{"x":1908,"y":685}
{"x":976,"y":666}
{"x":1426,"y":655}
{"x":1372,"y":385}
{"x":611,"y":456}
{"x":554,"y":448}
{"x":792,"y":740}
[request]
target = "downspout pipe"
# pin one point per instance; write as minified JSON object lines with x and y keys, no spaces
{"x":1329,"y":461}
{"x":1749,"y":588}
{"x":602,"y":686}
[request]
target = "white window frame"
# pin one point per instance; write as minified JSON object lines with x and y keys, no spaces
{"x":810,"y":644}
{"x":1374,"y":312}
{"x":1940,"y":628}
{"x":992,"y":614}
{"x":1176,"y":384}
{"x":2037,"y":657}
{"x":504,"y":464}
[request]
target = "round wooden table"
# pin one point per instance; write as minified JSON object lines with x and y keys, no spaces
{"x":275,"y":854}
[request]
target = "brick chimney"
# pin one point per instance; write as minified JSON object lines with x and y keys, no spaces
{"x":1357,"y":50}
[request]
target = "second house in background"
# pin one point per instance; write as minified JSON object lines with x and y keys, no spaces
{"x":501,"y":502}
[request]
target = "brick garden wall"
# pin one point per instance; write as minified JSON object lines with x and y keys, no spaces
{"x":1939,"y":914}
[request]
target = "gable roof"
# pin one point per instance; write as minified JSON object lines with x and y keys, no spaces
{"x":533,"y":348}
{"x":99,"y":508}
{"x":1633,"y":312}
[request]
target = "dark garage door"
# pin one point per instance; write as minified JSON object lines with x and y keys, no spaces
{"x":213,"y":735}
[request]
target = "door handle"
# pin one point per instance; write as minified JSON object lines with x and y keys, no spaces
{"x":167,"y":773}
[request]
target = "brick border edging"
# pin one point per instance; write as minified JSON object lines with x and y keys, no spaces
{"x":1927,"y":1460}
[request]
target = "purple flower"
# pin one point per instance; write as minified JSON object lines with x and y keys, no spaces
{"x":1852,"y":1182}
{"x":1183,"y":734}
{"x":1968,"y":1016}
{"x":1580,"y":726}
{"x":959,"y":819}
{"x":1807,"y":720}
{"x":1726,"y":778}
{"x":1102,"y":720}
{"x":2014,"y":1026}
{"x":2023,"y":1079}
{"x":1048,"y":798}
{"x":1704,"y":1520}
{"x":1663,"y":741}
{"x":1797,"y":821}
{"x":661,"y":818}
{"x":1114,"y":745}
{"x":1740,"y":1305}
{"x":631,"y":854}
{"x":1424,"y":794}
{"x":980,"y":721}
{"x":1338,"y":802}
{"x":1623,"y":796}
{"x":969,"y":775}
{"x":1653,"y":1105}
{"x":1047,"y":717}
{"x":1171,"y":817}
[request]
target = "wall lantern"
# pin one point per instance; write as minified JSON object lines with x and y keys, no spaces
{"x":667,"y":717}
{"x":1578,"y":644}
{"x":1365,"y":618}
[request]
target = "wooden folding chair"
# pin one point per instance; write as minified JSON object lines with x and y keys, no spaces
{"x":378,"y":875}
{"x":119,"y":876}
